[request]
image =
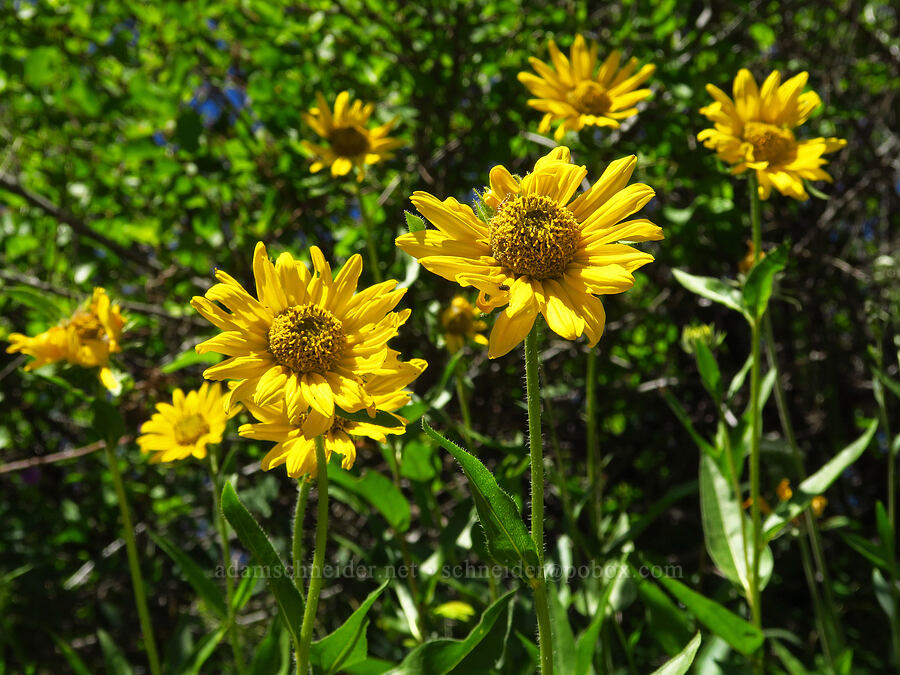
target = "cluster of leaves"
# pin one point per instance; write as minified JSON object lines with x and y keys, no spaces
{"x":144,"y":145}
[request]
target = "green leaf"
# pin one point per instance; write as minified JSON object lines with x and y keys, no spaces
{"x":377,"y":490}
{"x":190,"y":357}
{"x":116,"y":663}
{"x":871,"y":552}
{"x":788,"y":660}
{"x":273,"y":655}
{"x":666,"y":623}
{"x":738,"y":380}
{"x":712,"y":289}
{"x":817,"y":483}
{"x":758,"y":286}
{"x":243,"y":592}
{"x":75,"y":663}
{"x":195,"y":575}
{"x":204,"y":650}
{"x":438,"y":657}
{"x":740,"y":634}
{"x":564,"y":652}
{"x":414,"y":223}
{"x":347,"y":645}
{"x":709,"y":371}
{"x":252,"y":536}
{"x":381,"y":418}
{"x":681,"y":663}
{"x":885,"y":531}
{"x":705,"y":447}
{"x":884,"y":596}
{"x":508,"y":540}
{"x":49,"y":308}
{"x":723,"y":519}
{"x":586,"y":643}
{"x":814,"y":191}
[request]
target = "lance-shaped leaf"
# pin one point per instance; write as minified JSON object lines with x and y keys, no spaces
{"x":439,"y":657}
{"x":252,"y":536}
{"x":712,"y":289}
{"x":758,"y":286}
{"x":723,"y":519}
{"x":508,"y":540}
{"x":817,"y":483}
{"x":743,"y":636}
{"x":347,"y":645}
{"x":682,"y":661}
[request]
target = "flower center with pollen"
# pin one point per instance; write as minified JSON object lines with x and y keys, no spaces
{"x":534,"y":236}
{"x":88,"y":327}
{"x":306,"y":339}
{"x":348,"y":141}
{"x":189,"y":429}
{"x":589,"y":97}
{"x":770,"y":144}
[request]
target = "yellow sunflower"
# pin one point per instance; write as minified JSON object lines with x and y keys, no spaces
{"x":461,"y":322}
{"x":755,"y":131}
{"x":541,"y":251}
{"x":297,"y":450}
{"x":87,"y":338}
{"x":571,"y":92}
{"x":307,"y":338}
{"x":184,"y":427}
{"x":350,"y":141}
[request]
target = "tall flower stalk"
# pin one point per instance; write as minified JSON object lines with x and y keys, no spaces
{"x":535,"y":444}
{"x":315,"y":576}
{"x":134,"y":568}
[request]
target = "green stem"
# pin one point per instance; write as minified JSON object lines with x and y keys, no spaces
{"x":832,"y":638}
{"x":542,"y":607}
{"x":463,"y":406}
{"x":233,"y":638}
{"x":137,"y":581}
{"x":297,"y":541}
{"x":315,"y":577}
{"x":595,"y":469}
{"x":736,"y":486}
{"x":756,"y":422}
{"x":369,"y":234}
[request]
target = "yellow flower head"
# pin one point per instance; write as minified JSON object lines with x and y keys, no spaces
{"x":571,"y":92}
{"x":186,"y":426}
{"x":460,"y":322}
{"x":541,"y":251}
{"x":87,"y":338}
{"x":297,"y":450}
{"x":350,"y":141}
{"x":755,"y":131}
{"x":307,"y":338}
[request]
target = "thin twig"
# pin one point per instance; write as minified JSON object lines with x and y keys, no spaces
{"x":23,"y":464}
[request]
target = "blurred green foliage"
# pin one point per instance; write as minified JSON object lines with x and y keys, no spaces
{"x":143,"y":145}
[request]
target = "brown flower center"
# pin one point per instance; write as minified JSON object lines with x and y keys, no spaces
{"x":189,"y":429}
{"x":770,"y":143}
{"x":349,"y":141}
{"x":589,"y":97}
{"x":534,"y":236}
{"x":306,"y":339}
{"x":88,"y":327}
